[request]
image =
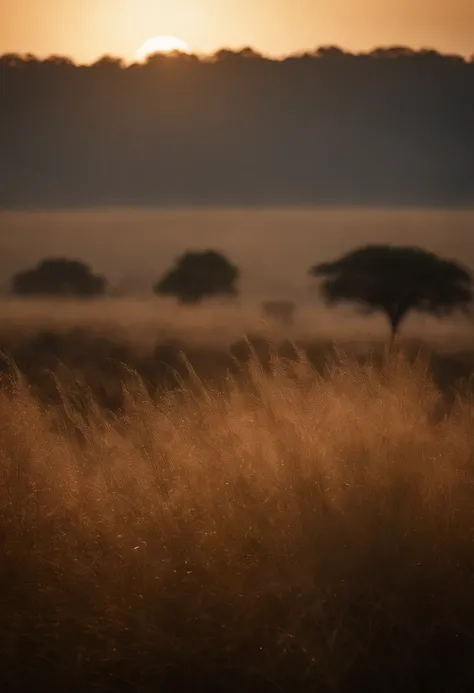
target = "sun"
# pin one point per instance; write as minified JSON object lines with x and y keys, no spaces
{"x":161,"y":44}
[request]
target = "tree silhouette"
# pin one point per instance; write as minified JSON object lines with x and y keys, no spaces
{"x":59,"y":277}
{"x":395,"y":281}
{"x":197,"y":275}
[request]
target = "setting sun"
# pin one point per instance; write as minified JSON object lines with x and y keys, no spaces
{"x":161,"y":44}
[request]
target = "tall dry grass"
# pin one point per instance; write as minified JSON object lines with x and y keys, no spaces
{"x":298,"y":532}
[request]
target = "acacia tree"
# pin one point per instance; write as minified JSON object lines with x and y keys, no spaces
{"x":395,"y":281}
{"x":197,"y":275}
{"x":59,"y":277}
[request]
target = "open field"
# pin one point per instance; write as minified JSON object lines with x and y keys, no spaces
{"x":298,"y":522}
{"x":95,"y":342}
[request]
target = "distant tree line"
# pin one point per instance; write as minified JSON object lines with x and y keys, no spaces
{"x":393,"y":126}
{"x":393,"y":280}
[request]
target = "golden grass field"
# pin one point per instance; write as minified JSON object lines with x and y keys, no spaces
{"x":290,"y":529}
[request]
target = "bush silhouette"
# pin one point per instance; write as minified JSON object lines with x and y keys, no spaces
{"x":197,"y":275}
{"x":59,"y":277}
{"x":282,"y":312}
{"x":395,"y":281}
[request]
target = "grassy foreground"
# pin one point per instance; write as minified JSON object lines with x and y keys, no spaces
{"x":299,"y":532}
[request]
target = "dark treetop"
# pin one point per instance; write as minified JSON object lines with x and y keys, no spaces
{"x":59,"y":277}
{"x":198,"y":275}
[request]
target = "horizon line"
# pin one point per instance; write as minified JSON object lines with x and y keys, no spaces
{"x":203,"y":56}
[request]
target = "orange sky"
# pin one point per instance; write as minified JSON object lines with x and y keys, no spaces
{"x":87,"y":29}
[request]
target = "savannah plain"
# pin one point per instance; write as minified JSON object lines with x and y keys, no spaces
{"x":196,"y":498}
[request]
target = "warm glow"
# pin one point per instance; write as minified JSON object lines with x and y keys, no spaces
{"x":90,"y":29}
{"x":161,"y":44}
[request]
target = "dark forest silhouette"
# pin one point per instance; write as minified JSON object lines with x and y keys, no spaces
{"x":393,"y":126}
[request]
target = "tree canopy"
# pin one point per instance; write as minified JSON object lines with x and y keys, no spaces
{"x":59,"y":277}
{"x":395,"y":281}
{"x":197,"y":275}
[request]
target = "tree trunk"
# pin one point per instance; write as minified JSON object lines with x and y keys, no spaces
{"x":393,"y":338}
{"x":395,"y":317}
